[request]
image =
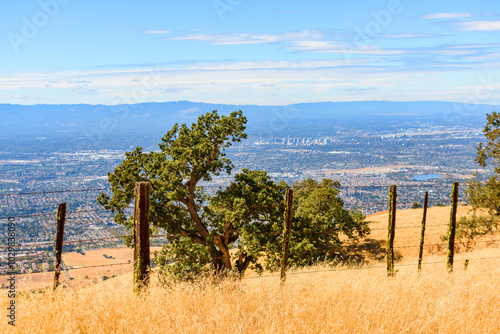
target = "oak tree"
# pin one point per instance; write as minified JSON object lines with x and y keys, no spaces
{"x":232,"y":228}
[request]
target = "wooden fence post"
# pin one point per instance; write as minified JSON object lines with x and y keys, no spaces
{"x":286,"y":233}
{"x":61,"y":219}
{"x":391,"y":228}
{"x":452,"y":226}
{"x":141,"y":236}
{"x":422,"y":233}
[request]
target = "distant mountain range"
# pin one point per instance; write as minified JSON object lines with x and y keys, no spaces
{"x":152,"y":117}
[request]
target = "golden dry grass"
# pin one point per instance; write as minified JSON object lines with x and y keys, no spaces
{"x":312,"y":301}
{"x":96,"y":257}
{"x":408,"y":224}
{"x":315,"y":300}
{"x":73,"y":259}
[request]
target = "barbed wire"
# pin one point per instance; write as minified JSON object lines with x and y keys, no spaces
{"x":272,"y":275}
{"x":230,"y":207}
{"x":66,"y":268}
{"x":364,"y":268}
{"x":216,"y":207}
{"x":54,"y":213}
{"x":195,"y":233}
{"x":428,"y":185}
{"x":55,"y":192}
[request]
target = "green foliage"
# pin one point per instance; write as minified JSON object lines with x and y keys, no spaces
{"x":484,"y":195}
{"x":246,"y":217}
{"x":468,"y":229}
{"x":187,"y":156}
{"x":319,"y":220}
{"x":416,"y":205}
{"x":183,"y":260}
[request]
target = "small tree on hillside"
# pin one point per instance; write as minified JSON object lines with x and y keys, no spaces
{"x":484,"y":195}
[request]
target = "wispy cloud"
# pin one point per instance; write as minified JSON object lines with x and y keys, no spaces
{"x":173,"y":89}
{"x":407,"y":35}
{"x":334,"y":47}
{"x":275,"y":82}
{"x":453,"y":15}
{"x":156,"y":32}
{"x":21,"y":97}
{"x":249,"y":38}
{"x":481,"y":26}
{"x":305,"y":41}
{"x":84,"y":89}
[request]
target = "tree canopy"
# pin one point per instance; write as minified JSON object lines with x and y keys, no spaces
{"x":232,"y":228}
{"x":484,"y":195}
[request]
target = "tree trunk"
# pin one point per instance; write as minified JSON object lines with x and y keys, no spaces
{"x":225,"y":256}
{"x":242,"y":263}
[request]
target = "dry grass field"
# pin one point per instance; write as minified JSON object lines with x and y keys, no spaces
{"x":407,"y":236}
{"x":76,"y":260}
{"x":314,"y":300}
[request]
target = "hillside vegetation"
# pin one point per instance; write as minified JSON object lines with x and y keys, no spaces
{"x":313,"y":300}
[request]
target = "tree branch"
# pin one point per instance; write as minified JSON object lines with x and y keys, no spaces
{"x":194,"y":237}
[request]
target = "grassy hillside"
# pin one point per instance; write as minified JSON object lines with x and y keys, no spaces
{"x":315,"y":300}
{"x":407,"y":236}
{"x":312,"y":301}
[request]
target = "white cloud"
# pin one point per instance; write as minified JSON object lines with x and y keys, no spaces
{"x":257,"y":82}
{"x":453,"y":15}
{"x":333,"y":47}
{"x":156,"y":32}
{"x":247,"y":38}
{"x":84,"y":89}
{"x":406,"y":35}
{"x":311,"y":41}
{"x":481,"y":26}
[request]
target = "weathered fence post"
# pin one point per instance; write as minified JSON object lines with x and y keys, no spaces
{"x":286,"y":233}
{"x":391,"y":228}
{"x":452,"y":226}
{"x":141,"y":236}
{"x":422,"y":233}
{"x":61,"y":219}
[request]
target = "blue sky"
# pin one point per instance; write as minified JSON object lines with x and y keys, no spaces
{"x":248,"y":51}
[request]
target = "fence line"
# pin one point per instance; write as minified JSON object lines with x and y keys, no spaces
{"x":364,"y":268}
{"x":218,"y":207}
{"x":55,"y":191}
{"x":230,"y":207}
{"x":217,"y":186}
{"x":276,"y":275}
{"x":195,"y":233}
{"x":66,"y":268}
